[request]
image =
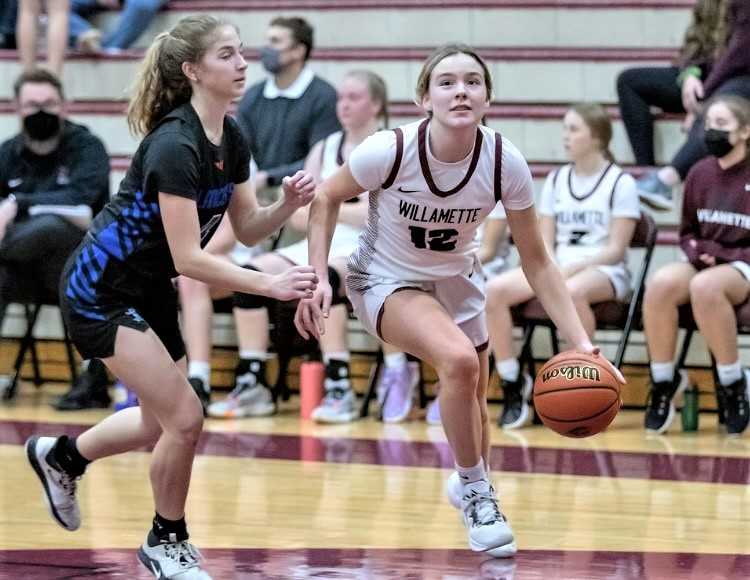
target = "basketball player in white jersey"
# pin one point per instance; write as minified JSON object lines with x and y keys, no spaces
{"x":589,"y":209}
{"x":414,"y":280}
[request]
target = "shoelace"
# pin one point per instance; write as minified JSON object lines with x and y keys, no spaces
{"x":662,"y":395}
{"x":738,"y":395}
{"x":243,"y":385}
{"x":184,"y":553}
{"x":68,"y":484}
{"x":335,"y":395}
{"x":483,"y":509}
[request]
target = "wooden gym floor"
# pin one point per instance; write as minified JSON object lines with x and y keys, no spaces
{"x":279,"y":498}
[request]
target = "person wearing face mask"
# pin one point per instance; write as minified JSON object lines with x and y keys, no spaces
{"x":51,"y":165}
{"x":714,"y":277}
{"x":293,"y":109}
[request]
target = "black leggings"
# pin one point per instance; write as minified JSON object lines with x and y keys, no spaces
{"x":639,"y":89}
{"x":32,"y":256}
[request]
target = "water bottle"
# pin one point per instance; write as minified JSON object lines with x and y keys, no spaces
{"x":690,"y":409}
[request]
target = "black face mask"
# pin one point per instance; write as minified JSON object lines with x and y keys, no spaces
{"x":42,"y":125}
{"x":717,"y":142}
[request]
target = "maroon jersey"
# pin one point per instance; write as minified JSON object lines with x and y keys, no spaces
{"x":716,"y":213}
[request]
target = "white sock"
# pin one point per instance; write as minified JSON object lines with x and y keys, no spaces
{"x":254,"y":354}
{"x":472,"y":474}
{"x":343,"y":356}
{"x":730,"y":373}
{"x":508,"y":369}
{"x":200,"y":370}
{"x":395,"y":360}
{"x":662,"y":372}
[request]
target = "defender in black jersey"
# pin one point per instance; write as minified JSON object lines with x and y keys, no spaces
{"x":117,"y":294}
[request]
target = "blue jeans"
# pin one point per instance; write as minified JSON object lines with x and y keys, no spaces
{"x":133,"y":20}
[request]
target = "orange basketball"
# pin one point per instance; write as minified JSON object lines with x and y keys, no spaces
{"x":575,"y":395}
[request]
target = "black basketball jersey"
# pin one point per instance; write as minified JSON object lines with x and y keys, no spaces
{"x":126,"y":248}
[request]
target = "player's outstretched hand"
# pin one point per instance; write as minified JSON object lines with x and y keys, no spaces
{"x":596,"y":352}
{"x":312,"y":312}
{"x":299,"y":189}
{"x":295,"y":283}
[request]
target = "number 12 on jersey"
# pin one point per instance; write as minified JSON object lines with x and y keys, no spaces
{"x":437,"y":240}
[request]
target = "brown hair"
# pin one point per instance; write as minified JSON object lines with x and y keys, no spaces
{"x":423,"y":82}
{"x":301,"y":30}
{"x":38,"y":75}
{"x":597,"y":120}
{"x":161,"y":86}
{"x":708,"y":33}
{"x":739,"y":107}
{"x":377,"y":89}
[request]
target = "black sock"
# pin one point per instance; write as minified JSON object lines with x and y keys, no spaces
{"x":68,"y":457}
{"x":338,"y":370}
{"x":167,"y":531}
{"x":255,"y":366}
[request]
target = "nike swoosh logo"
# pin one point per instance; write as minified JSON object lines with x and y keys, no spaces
{"x":156,"y":570}
{"x":402,"y":190}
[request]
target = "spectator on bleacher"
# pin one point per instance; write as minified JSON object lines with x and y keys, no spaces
{"x":292,"y":110}
{"x":27,"y":32}
{"x":714,"y":60}
{"x":8,"y":17}
{"x":134,"y":18}
{"x":362,"y":109}
{"x":51,"y":165}
{"x":715,"y":237}
{"x":588,"y":212}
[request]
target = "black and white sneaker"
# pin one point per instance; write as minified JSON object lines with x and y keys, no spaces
{"x":516,"y":410}
{"x":489,"y":531}
{"x":173,"y":560}
{"x":660,"y":408}
{"x":737,"y":406}
{"x":59,"y":487}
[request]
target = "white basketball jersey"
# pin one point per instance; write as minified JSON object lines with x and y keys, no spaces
{"x":424,"y":216}
{"x":332,"y":154}
{"x":582,"y":218}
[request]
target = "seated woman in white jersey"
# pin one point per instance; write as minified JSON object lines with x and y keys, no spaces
{"x":714,"y":277}
{"x":589,"y":209}
{"x":415,"y":280}
{"x":361,"y":109}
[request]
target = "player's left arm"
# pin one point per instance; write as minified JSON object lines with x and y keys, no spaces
{"x":252,"y":223}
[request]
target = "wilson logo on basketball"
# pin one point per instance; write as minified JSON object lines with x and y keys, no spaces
{"x":572,"y":373}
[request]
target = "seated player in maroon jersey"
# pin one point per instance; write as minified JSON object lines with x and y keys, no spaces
{"x":714,"y":277}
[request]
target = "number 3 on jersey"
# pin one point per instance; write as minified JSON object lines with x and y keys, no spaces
{"x":436,"y":240}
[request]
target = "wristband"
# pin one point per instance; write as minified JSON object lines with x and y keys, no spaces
{"x":690,"y":71}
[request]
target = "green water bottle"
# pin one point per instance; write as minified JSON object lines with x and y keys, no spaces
{"x":690,"y":408}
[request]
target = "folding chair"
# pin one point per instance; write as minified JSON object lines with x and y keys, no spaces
{"x":610,"y":315}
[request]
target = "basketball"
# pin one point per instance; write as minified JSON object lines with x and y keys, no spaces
{"x":575,"y":395}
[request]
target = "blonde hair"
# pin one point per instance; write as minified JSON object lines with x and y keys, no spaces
{"x":160,"y":85}
{"x":376,"y":88}
{"x":597,"y":120}
{"x":423,"y":82}
{"x":739,"y":107}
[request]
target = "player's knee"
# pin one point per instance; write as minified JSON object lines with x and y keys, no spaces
{"x":186,"y":423}
{"x":705,"y":290}
{"x":461,"y":367}
{"x":661,"y":288}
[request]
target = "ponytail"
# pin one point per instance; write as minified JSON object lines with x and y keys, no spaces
{"x":161,"y":85}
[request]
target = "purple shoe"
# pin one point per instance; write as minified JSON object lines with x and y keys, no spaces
{"x":398,"y":386}
{"x":433,"y":413}
{"x":124,"y":397}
